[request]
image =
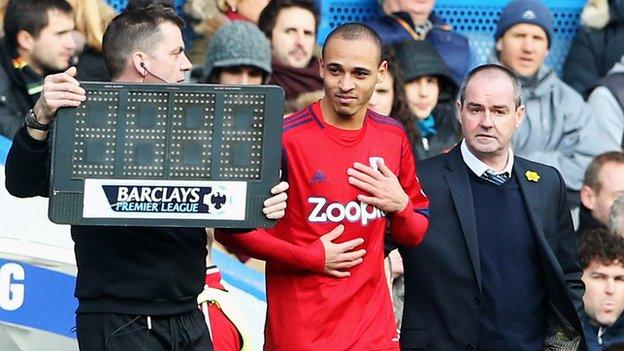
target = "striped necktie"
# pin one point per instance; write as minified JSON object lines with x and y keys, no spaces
{"x":497,"y":179}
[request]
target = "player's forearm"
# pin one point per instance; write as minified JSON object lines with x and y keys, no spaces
{"x":408,"y":226}
{"x":262,"y":245}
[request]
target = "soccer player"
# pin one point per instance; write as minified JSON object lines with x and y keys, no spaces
{"x":350,"y":171}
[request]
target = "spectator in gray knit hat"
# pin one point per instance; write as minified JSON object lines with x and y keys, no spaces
{"x":238,"y":53}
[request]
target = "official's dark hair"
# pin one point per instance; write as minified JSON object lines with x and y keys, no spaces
{"x":592,"y":173}
{"x":134,"y":30}
{"x":268,"y":16}
{"x":30,"y":16}
{"x":602,"y":246}
{"x":493,"y":68}
{"x":354,"y":31}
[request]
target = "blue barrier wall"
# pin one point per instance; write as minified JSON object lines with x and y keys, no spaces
{"x":475,"y":19}
{"x":43,"y":299}
{"x":36,"y":297}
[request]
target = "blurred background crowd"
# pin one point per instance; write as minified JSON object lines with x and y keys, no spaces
{"x":569,"y":57}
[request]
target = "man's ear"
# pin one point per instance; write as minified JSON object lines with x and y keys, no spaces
{"x":458,"y":106}
{"x":519,"y":115}
{"x":499,"y":44}
{"x":25,"y":40}
{"x":588,"y":197}
{"x":138,"y":62}
{"x":382,"y":71}
{"x":321,"y":66}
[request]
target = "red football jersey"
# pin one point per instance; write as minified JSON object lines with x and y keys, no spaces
{"x":307,"y":309}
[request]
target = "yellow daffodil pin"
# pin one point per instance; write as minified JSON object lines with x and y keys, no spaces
{"x":532,"y":176}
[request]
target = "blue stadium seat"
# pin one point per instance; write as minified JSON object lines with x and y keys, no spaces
{"x":475,"y":19}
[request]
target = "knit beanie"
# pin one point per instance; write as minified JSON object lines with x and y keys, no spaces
{"x":417,"y":58}
{"x":238,"y":43}
{"x":525,"y":11}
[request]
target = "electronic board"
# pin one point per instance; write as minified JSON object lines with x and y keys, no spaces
{"x":167,"y":155}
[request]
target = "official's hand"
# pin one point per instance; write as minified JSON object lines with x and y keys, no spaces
{"x":339,"y":257}
{"x":275,"y":206}
{"x":59,"y":90}
{"x":383,"y":186}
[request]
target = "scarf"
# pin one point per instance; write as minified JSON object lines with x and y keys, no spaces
{"x":426,"y":126}
{"x":296,"y":81}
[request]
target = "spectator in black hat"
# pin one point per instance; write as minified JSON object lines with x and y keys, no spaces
{"x":430,"y":91}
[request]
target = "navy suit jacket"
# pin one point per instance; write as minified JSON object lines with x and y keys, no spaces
{"x":443,"y":273}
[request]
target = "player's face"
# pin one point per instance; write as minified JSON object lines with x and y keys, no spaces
{"x":168,"y":61}
{"x":523,"y":48}
{"x":52,"y":49}
{"x":350,"y":70}
{"x":383,"y":96}
{"x":604,"y":292}
{"x":292,"y":39}
{"x":488,"y":115}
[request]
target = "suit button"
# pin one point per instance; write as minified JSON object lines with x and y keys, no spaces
{"x":469,"y":347}
{"x":477,"y":301}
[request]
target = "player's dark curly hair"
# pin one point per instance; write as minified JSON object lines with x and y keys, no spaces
{"x":602,"y":246}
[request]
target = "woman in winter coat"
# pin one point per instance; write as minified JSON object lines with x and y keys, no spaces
{"x":598,"y":45}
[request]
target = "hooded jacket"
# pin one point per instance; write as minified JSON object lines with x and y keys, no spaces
{"x":417,"y":59}
{"x":598,"y":45}
{"x":555,"y":115}
{"x":452,"y":46}
{"x":14,"y":98}
{"x":604,"y":131}
{"x":599,"y":338}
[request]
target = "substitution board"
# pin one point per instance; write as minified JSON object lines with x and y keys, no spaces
{"x":167,"y":155}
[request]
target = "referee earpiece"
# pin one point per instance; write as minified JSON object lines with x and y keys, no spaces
{"x":142,"y":64}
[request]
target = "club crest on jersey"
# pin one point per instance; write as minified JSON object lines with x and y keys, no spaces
{"x":336,"y":212}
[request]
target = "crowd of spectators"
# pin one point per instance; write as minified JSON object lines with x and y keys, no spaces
{"x":574,"y":123}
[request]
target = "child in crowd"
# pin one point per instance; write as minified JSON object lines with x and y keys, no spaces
{"x":430,"y":91}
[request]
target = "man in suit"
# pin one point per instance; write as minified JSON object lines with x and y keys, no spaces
{"x":498,"y":268}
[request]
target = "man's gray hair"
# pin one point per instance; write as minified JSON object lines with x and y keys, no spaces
{"x":488,"y":69}
{"x":616,"y":216}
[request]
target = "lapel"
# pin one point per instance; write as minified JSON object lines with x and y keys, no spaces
{"x":531,"y":194}
{"x":534,"y":201}
{"x":456,"y":176}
